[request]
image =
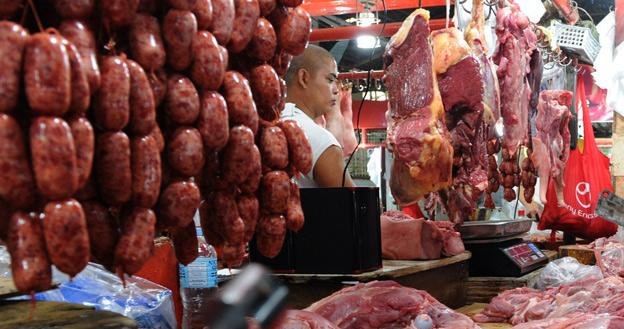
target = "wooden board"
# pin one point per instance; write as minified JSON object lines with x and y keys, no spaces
{"x":475,"y":308}
{"x":582,"y":253}
{"x":483,"y":289}
{"x":8,"y":289}
{"x":392,"y":269}
{"x":26,"y":315}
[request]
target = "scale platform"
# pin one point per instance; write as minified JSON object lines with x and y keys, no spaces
{"x":499,"y":250}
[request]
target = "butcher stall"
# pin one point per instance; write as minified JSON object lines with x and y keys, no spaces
{"x":150,"y":176}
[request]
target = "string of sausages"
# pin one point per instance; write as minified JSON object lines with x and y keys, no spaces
{"x":122,"y":119}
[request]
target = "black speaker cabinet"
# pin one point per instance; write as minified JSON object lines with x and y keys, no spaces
{"x":341,"y":234}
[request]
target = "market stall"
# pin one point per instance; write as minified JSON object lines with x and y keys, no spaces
{"x":148,"y":164}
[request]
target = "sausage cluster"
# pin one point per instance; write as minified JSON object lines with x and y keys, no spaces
{"x":107,"y":142}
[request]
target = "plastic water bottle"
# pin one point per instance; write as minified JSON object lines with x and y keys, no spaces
{"x":198,"y":280}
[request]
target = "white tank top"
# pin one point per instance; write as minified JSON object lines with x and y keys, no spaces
{"x":319,"y":137}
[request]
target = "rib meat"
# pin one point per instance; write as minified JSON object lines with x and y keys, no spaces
{"x":417,"y":135}
{"x":553,"y":139}
{"x":295,"y":319}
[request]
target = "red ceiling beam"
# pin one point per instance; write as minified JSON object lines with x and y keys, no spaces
{"x":340,"y":7}
{"x":351,"y":32}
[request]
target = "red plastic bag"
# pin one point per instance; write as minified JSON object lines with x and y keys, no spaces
{"x":586,"y":175}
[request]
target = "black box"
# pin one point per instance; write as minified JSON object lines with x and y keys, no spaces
{"x":341,"y":235}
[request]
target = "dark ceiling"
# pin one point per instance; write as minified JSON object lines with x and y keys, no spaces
{"x":350,"y":57}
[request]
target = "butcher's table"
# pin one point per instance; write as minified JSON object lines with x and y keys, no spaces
{"x":445,"y":279}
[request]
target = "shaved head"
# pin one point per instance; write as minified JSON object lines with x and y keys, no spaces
{"x":312,"y":59}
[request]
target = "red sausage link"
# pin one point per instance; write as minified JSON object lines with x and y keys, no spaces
{"x":232,"y":226}
{"x":233,"y":255}
{"x":136,"y":242}
{"x":84,"y":142}
{"x":210,"y":223}
{"x":9,"y":7}
{"x":118,"y":13}
{"x":53,"y":157}
{"x":298,"y":145}
{"x":82,"y":37}
{"x":47,"y":74}
{"x":222,"y":20}
{"x":158,"y":137}
{"x":236,"y":165}
{"x":294,"y":213}
{"x":203,"y":13}
{"x":30,"y":264}
{"x":12,"y":41}
{"x":178,"y":203}
{"x":208,"y":69}
{"x":142,"y":109}
{"x":149,"y":6}
{"x":158,"y":82}
{"x":265,"y":85}
{"x":179,"y":28}
{"x":264,"y":41}
{"x":213,"y":122}
{"x":282,"y":102}
{"x":66,"y":236}
{"x":74,"y":8}
{"x":281,"y":62}
{"x":270,"y":235}
{"x":182,"y":100}
{"x":278,"y":16}
{"x":245,"y":19}
{"x":17,"y":186}
{"x":294,"y":33}
{"x":80,"y":93}
{"x":291,"y":3}
{"x":114,"y":175}
{"x":103,"y":232}
{"x":266,"y":7}
{"x":274,"y":148}
{"x":226,"y":57}
{"x":146,"y":45}
{"x":146,"y":171}
{"x":88,"y":191}
{"x":251,"y":184}
{"x":185,"y":151}
{"x":241,"y":107}
{"x":275,"y":191}
{"x":182,"y":4}
{"x":112,"y":101}
{"x":186,"y":244}
{"x":249,"y":210}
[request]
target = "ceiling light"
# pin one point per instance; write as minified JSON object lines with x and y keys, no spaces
{"x":367,"y":42}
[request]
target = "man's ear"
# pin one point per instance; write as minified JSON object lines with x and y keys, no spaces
{"x":303,"y":77}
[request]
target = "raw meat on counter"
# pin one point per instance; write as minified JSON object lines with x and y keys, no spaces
{"x":405,"y":238}
{"x":296,"y":319}
{"x":417,"y":134}
{"x":577,"y":321}
{"x":387,"y":304}
{"x":525,"y":304}
{"x":551,"y":147}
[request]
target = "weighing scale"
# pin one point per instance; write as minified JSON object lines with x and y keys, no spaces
{"x":498,"y":248}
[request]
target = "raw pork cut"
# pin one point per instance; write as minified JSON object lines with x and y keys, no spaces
{"x":553,"y":139}
{"x":404,"y":237}
{"x":295,"y":319}
{"x":516,"y":43}
{"x":576,"y":321}
{"x":417,"y":134}
{"x":461,"y":84}
{"x":387,"y":304}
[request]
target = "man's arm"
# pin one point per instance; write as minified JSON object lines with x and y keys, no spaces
{"x":329,"y":168}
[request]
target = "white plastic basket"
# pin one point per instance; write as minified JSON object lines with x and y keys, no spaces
{"x":577,"y":40}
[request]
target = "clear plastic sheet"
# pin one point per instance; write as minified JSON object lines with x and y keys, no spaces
{"x":565,"y":270}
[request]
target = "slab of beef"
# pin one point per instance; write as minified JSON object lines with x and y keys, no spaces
{"x":417,"y":135}
{"x":405,"y":238}
{"x":462,"y":85}
{"x":552,"y":143}
{"x":522,"y":305}
{"x":387,"y":304}
{"x":516,"y":43}
{"x":296,"y":319}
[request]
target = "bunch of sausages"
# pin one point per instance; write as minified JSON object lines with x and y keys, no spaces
{"x":107,"y":140}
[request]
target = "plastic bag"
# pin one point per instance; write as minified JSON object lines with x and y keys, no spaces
{"x":611,"y":262}
{"x":565,"y":270}
{"x":148,"y":303}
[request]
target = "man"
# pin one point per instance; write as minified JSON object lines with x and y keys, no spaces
{"x":312,"y":91}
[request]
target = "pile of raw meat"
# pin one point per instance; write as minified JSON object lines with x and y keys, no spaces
{"x":377,"y":304}
{"x":404,"y":237}
{"x":120,"y":118}
{"x":451,"y":112}
{"x":590,"y":297}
